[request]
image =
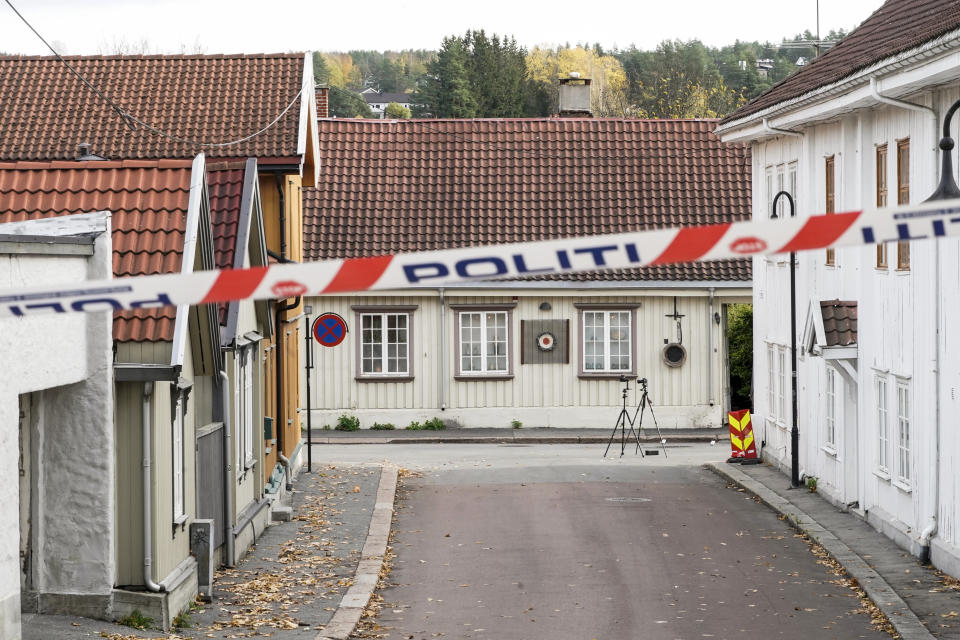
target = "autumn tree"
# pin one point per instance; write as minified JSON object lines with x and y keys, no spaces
{"x":397,"y":111}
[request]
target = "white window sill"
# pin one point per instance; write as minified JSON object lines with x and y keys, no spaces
{"x":180,"y":520}
{"x":251,"y":462}
{"x":781,"y":425}
{"x":882,"y":474}
{"x":902,"y":485}
{"x":830,"y":450}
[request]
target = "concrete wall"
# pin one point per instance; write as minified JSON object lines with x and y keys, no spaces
{"x":552,"y":394}
{"x":65,"y":364}
{"x":903,"y":334}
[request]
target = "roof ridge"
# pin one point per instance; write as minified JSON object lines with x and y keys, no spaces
{"x":157,"y":56}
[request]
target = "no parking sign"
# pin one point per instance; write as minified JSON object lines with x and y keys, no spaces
{"x":329,"y":329}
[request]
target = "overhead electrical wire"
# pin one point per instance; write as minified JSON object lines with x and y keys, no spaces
{"x":131,"y":120}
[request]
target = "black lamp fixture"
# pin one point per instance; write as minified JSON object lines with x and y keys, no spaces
{"x":947,"y":189}
{"x":794,"y":429}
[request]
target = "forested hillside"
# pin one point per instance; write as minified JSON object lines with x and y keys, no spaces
{"x":488,"y":76}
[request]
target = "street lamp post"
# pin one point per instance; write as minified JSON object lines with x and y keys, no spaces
{"x":794,"y":429}
{"x":947,"y":189}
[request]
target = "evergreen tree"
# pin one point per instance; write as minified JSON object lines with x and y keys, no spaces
{"x":444,"y":91}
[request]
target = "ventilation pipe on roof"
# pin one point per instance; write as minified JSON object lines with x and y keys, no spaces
{"x":84,"y":153}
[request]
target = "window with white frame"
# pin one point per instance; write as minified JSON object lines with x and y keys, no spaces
{"x":830,"y":417}
{"x":772,"y":382}
{"x":782,"y":384}
{"x":792,"y":186}
{"x":384,"y":344}
{"x":245,"y":418}
{"x":782,"y":202}
{"x":903,"y":432}
{"x":607,"y":341}
{"x":883,"y":425}
{"x":179,"y":509}
{"x":484,"y":342}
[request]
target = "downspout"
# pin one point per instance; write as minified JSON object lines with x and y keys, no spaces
{"x":148,"y":492}
{"x":931,"y":529}
{"x":710,"y":350}
{"x":443,"y":352}
{"x":227,"y":468}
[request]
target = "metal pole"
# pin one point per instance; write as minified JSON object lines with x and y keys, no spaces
{"x":794,"y":428}
{"x":309,"y":365}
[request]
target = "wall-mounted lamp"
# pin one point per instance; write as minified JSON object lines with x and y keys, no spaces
{"x":545,"y":306}
{"x":716,"y":317}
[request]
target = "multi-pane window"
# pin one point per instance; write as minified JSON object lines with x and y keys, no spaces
{"x":830,"y":420}
{"x":484,"y":342}
{"x":245,"y":409}
{"x":385,"y":344}
{"x":179,"y":510}
{"x":903,"y":432}
{"x":782,"y":383}
{"x":772,"y":382}
{"x":792,"y":185}
{"x":830,"y":201}
{"x":882,"y":199}
{"x":782,"y":202}
{"x":903,"y":197}
{"x":883,"y":426}
{"x":606,"y":341}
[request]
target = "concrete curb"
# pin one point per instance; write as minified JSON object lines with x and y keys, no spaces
{"x":906,"y":623}
{"x":355,"y":600}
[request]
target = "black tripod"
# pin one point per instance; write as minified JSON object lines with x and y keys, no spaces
{"x":647,"y":403}
{"x":624,"y":419}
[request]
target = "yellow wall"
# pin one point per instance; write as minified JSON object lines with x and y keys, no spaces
{"x":289,"y":331}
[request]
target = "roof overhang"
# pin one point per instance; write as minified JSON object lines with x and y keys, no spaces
{"x":932,"y":64}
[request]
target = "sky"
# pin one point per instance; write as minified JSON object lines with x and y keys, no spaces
{"x":245,"y":26}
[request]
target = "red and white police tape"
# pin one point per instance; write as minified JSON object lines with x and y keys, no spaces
{"x":432,"y":269}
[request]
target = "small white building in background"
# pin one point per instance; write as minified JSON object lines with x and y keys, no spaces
{"x":56,"y":405}
{"x":879,"y":363}
{"x":545,"y":350}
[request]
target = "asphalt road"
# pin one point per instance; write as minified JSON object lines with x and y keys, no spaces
{"x":554,"y":542}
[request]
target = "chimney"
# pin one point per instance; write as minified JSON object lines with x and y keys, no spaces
{"x":323,"y":104}
{"x":575,"y":97}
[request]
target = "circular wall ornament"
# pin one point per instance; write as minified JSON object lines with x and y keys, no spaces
{"x":674,"y":355}
{"x":546,"y":341}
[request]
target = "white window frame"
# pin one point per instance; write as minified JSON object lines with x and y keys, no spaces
{"x":772,"y":383}
{"x":177,"y":459}
{"x":903,"y":464}
{"x":882,"y":409}
{"x":606,"y":341}
{"x":385,"y":343}
{"x":485,"y":343}
{"x":245,"y":408}
{"x":782,"y":385}
{"x":833,"y":388}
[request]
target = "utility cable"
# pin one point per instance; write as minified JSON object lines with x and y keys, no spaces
{"x":132,"y":121}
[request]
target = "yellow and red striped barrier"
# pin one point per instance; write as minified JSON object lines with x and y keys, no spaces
{"x":742,"y":444}
{"x":433,"y":269}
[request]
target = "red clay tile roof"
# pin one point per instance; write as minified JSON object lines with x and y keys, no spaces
{"x":148,"y":200}
{"x":415,"y":185}
{"x":839,"y":322}
{"x":47,"y":111}
{"x":897,"y":26}
{"x":225,"y":189}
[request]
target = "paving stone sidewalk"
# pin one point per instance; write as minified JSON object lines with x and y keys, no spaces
{"x":920,"y":602}
{"x":289,"y":585}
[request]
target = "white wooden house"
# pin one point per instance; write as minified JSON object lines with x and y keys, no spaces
{"x":544,"y":351}
{"x":879,"y":369}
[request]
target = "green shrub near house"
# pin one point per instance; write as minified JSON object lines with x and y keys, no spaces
{"x":382,"y":426}
{"x":347,"y":423}
{"x":414,"y":426}
{"x":434,"y":424}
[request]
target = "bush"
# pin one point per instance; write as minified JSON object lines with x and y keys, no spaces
{"x":516,"y":424}
{"x":347,"y":423}
{"x":434,"y":424}
{"x":740,"y":341}
{"x":414,"y":426}
{"x":386,"y":426}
